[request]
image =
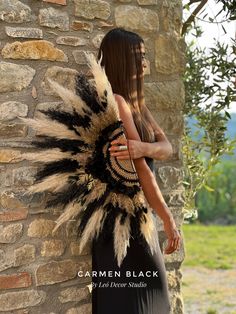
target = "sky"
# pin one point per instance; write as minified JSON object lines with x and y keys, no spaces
{"x":215,"y":30}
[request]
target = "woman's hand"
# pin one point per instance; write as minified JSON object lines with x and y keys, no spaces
{"x":173,"y":236}
{"x":138,"y":149}
{"x":134,"y":149}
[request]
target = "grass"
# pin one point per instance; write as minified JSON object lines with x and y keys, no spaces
{"x":211,"y":246}
{"x":209,"y":269}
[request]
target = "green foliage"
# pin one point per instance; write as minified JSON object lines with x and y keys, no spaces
{"x":229,"y":7}
{"x":220,"y":203}
{"x":209,"y":90}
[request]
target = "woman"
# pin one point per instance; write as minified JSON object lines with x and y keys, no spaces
{"x":142,"y":286}
{"x":114,"y":201}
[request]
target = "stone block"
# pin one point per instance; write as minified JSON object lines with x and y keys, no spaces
{"x":52,"y":248}
{"x":9,"y":156}
{"x":24,"y":255}
{"x":10,"y":110}
{"x":71,"y":41}
{"x":136,"y":18}
{"x":147,"y":2}
{"x":54,"y":272}
{"x":15,"y":77}
{"x":171,"y":177}
{"x":175,"y":198}
{"x":24,"y":176}
{"x":54,"y":18}
{"x":12,"y":208}
{"x":82,"y":26}
{"x":13,"y":281}
{"x":169,"y":55}
{"x":23,"y":32}
{"x":14,"y":11}
{"x":174,"y":278}
{"x":97,"y":40}
{"x":171,"y":122}
{"x":13,"y":130}
{"x":171,"y":16}
{"x":73,"y":294}
{"x":34,"y":50}
{"x":63,"y":76}
{"x":61,"y":2}
{"x":13,"y":215}
{"x":10,"y":200}
{"x":167,"y":95}
{"x":91,"y":9}
{"x":79,"y":56}
{"x":31,"y":201}
{"x":177,"y":303}
{"x":12,"y":301}
{"x":40,"y":228}
{"x":74,"y":248}
{"x":6,"y":178}
{"x":6,"y":260}
{"x":11,"y":233}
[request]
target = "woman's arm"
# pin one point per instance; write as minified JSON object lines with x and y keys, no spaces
{"x":157,"y":150}
{"x":148,"y":182}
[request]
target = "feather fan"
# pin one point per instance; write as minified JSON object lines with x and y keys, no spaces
{"x":83,"y":179}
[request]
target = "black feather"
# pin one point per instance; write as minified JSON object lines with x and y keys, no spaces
{"x":109,"y":221}
{"x":73,"y":193}
{"x":90,"y":209}
{"x":87,"y":93}
{"x":65,"y":145}
{"x":71,"y":120}
{"x":61,"y":166}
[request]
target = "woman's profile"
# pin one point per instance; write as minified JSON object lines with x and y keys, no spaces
{"x":122,"y":54}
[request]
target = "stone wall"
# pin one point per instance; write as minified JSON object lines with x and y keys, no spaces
{"x":47,"y":38}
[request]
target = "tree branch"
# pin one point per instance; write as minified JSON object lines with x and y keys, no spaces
{"x":193,"y":1}
{"x":193,"y":15}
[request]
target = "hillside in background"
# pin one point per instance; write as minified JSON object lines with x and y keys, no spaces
{"x":231,"y":130}
{"x":232,"y":126}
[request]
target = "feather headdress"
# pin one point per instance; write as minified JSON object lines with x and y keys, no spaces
{"x":82,"y":177}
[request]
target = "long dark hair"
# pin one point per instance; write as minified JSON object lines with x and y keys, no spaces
{"x":122,"y":59}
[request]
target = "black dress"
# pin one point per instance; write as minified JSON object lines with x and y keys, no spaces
{"x":139,"y":286}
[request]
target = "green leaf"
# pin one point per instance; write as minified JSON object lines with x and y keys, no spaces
{"x":209,"y":189}
{"x":223,"y":28}
{"x":227,"y":114}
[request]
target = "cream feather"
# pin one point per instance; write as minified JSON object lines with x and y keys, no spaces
{"x":53,"y":183}
{"x":121,"y":238}
{"x":69,"y":97}
{"x":70,"y":211}
{"x":149,"y":231}
{"x":92,"y":228}
{"x":102,"y":83}
{"x":46,"y":156}
{"x":48,"y":127}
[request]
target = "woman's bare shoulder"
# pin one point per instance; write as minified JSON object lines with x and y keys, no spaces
{"x":123,"y":106}
{"x":119,"y":98}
